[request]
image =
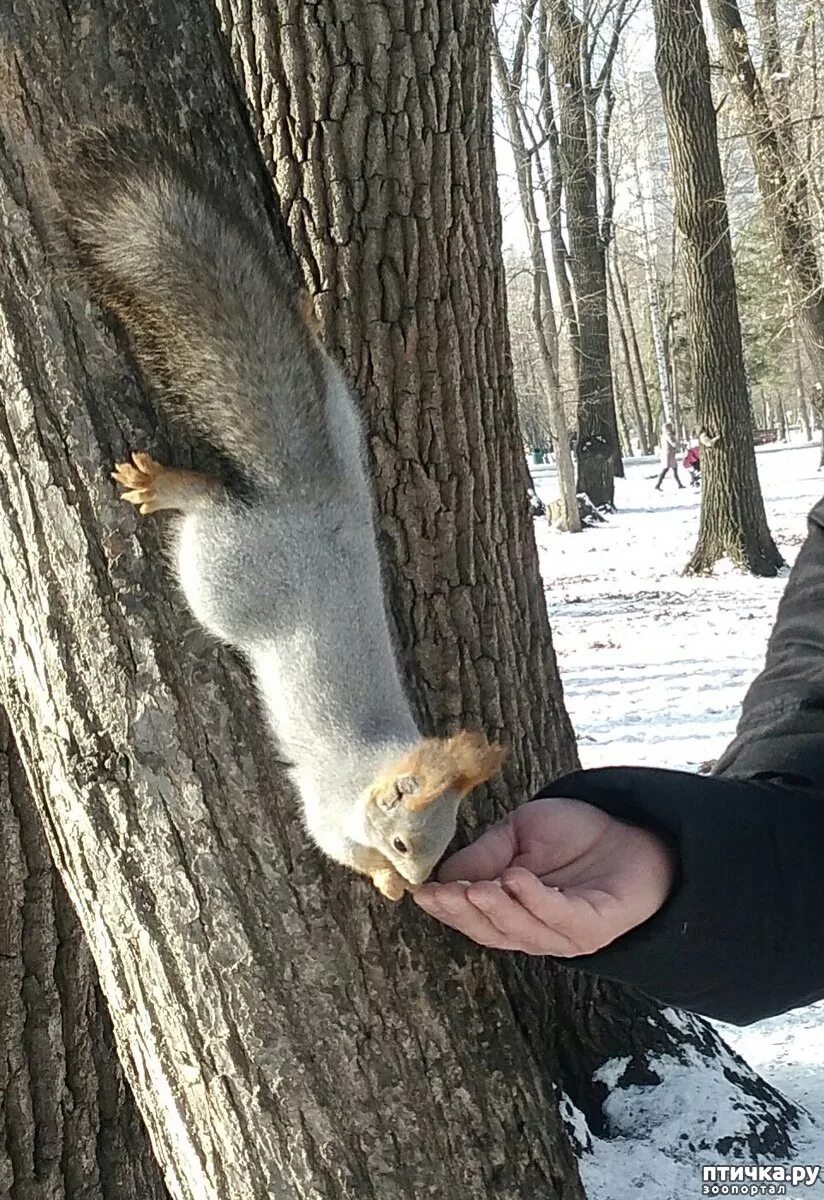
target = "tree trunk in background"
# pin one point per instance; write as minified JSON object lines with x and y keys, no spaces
{"x":552,"y":187}
{"x":817,"y":407}
{"x":645,"y":445}
{"x":69,"y":1128}
{"x":781,"y":417}
{"x":800,"y":386}
{"x":543,"y":314}
{"x":642,"y":183}
{"x":733,"y":521}
{"x":782,"y":179}
{"x":597,"y":424}
{"x":623,"y":431}
{"x":674,"y":381}
{"x":623,"y":293}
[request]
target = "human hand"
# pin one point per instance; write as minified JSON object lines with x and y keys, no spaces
{"x":554,"y":877}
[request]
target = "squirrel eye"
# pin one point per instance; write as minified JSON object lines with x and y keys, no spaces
{"x":400,"y":845}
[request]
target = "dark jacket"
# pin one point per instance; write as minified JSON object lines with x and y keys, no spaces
{"x":742,"y":934}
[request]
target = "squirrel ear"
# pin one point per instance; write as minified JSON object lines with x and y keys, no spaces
{"x":387,"y":801}
{"x":393,"y":792}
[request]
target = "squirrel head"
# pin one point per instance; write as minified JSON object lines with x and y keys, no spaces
{"x":412,"y":807}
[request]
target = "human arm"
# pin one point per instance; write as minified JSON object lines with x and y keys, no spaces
{"x":739,"y":933}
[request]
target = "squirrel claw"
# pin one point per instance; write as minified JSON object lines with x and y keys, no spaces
{"x":140,"y":476}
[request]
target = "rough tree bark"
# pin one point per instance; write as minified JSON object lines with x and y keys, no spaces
{"x":319,"y":171}
{"x":597,"y":425}
{"x":733,"y":520}
{"x":780,"y":171}
{"x":69,"y":1127}
{"x":286,"y":1032}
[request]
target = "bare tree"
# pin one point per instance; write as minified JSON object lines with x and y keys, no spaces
{"x":733,"y":521}
{"x":624,"y":305}
{"x":571,"y":54}
{"x":527,"y":370}
{"x":641,"y":168}
{"x":782,"y":178}
{"x":641,"y":427}
{"x":543,"y":313}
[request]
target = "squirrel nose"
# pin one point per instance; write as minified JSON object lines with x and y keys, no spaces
{"x":414,"y":872}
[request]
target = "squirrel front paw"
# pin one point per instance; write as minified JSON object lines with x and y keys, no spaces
{"x":390,"y":883}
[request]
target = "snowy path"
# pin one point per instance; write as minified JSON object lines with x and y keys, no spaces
{"x":654,"y":668}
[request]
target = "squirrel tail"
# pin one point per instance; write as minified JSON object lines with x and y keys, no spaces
{"x":208,"y":296}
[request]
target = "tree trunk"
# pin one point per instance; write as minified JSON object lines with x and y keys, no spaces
{"x":623,"y":431}
{"x":543,"y":314}
{"x":733,"y":521}
{"x":782,"y":179}
{"x":817,"y":406}
{"x":800,"y":388}
{"x":552,"y":186}
{"x":286,"y":1032}
{"x":623,"y":292}
{"x":781,"y":417}
{"x":642,"y":172}
{"x":69,"y":1128}
{"x":597,"y":424}
{"x":645,"y":445}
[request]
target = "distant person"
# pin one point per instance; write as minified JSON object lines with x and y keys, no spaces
{"x":669,"y":450}
{"x":692,"y":459}
{"x":692,"y":462}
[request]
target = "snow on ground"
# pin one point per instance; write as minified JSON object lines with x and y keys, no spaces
{"x":655,"y":667}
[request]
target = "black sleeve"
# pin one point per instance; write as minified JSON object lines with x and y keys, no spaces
{"x":742,"y":935}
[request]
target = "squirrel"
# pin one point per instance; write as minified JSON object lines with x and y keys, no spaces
{"x":276,"y":555}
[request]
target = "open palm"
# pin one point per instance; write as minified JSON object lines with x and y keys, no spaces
{"x":555,"y":877}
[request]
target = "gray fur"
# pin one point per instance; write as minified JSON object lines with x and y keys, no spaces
{"x":188,"y":274}
{"x":291,"y":578}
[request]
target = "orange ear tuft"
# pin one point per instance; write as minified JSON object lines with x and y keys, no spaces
{"x":474,"y":758}
{"x":437,"y":765}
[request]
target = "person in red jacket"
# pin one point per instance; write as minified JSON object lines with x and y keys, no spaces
{"x":692,"y":462}
{"x":705,"y":892}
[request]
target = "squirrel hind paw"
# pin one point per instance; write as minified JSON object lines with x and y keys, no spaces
{"x":457,"y":764}
{"x":153,"y":487}
{"x":140,"y":478}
